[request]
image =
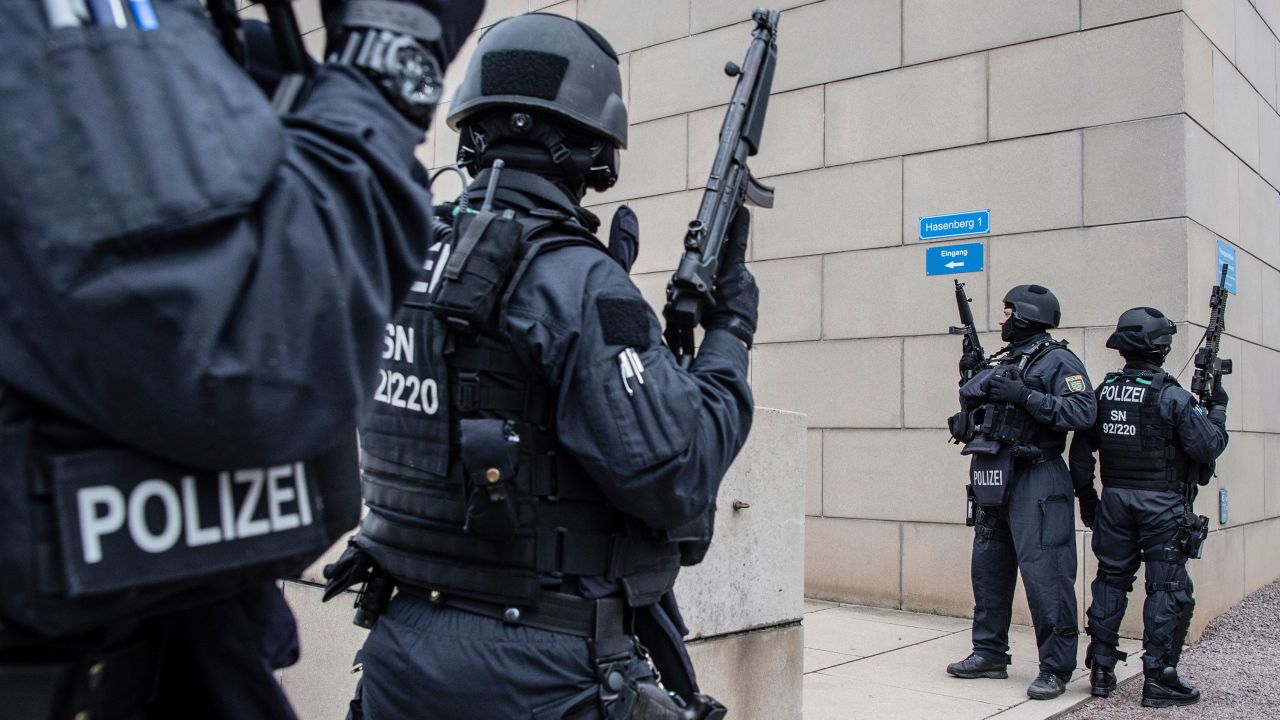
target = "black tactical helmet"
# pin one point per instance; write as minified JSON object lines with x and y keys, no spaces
{"x":550,"y":64}
{"x":1142,"y":329}
{"x":1034,"y":303}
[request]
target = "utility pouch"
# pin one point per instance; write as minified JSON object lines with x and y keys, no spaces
{"x":490,"y":454}
{"x":990,"y":471}
{"x":483,"y":254}
{"x":970,"y":507}
{"x":961,"y":426}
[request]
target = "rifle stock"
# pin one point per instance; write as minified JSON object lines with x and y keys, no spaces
{"x":729,"y":186}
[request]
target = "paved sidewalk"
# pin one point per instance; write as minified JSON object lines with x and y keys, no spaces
{"x":863,"y":662}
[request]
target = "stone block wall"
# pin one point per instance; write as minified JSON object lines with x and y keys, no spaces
{"x":1114,"y":141}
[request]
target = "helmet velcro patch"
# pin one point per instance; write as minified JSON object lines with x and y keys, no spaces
{"x":522,"y":72}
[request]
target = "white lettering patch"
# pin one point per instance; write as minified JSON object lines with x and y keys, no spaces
{"x":127,"y":521}
{"x":270,"y":500}
{"x":1126,"y":393}
{"x":992,"y":478}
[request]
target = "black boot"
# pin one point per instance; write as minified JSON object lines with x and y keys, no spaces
{"x":1163,"y":688}
{"x":1102,"y":681}
{"x":1101,"y":659}
{"x":1047,"y":686}
{"x":976,"y":666}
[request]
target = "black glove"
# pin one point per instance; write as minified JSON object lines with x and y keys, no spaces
{"x":1088,"y":498}
{"x":624,"y":237}
{"x":737,"y":299}
{"x":1219,"y":395}
{"x":351,"y":568}
{"x":969,"y":362}
{"x":1008,"y":388}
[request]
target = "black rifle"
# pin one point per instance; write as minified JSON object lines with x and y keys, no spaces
{"x":1209,"y":367}
{"x":966,"y":329}
{"x":291,"y":53}
{"x":728,"y":187}
{"x":1209,"y":371}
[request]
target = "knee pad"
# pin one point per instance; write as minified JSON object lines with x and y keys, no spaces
{"x":1120,"y":582}
{"x":1171,"y":578}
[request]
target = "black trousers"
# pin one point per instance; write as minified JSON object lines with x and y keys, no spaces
{"x":1134,"y":526}
{"x":429,"y":661}
{"x":1033,"y":533}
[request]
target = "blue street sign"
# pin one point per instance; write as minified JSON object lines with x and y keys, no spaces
{"x":952,"y":259}
{"x":938,"y":227}
{"x":1226,"y":256}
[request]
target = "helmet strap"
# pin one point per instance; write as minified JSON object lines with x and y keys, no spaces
{"x":531,"y":143}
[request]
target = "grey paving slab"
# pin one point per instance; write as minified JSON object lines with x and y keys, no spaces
{"x":815,"y":660}
{"x":1076,"y":694}
{"x":927,"y":621}
{"x":923,"y":667}
{"x":811,"y":606}
{"x":903,"y":672}
{"x":1022,"y":646}
{"x":842,"y":630}
{"x":833,"y":698}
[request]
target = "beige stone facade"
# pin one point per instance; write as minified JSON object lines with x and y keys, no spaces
{"x":1114,"y":142}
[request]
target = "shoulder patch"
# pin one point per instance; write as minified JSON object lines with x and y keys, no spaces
{"x":623,"y":321}
{"x":1075,"y":383}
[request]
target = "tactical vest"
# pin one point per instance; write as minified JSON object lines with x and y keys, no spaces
{"x":469,"y":493}
{"x":1010,"y":424}
{"x":96,"y":533}
{"x":1137,"y":447}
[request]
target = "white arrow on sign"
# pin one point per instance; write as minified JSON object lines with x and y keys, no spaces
{"x":953,"y":264}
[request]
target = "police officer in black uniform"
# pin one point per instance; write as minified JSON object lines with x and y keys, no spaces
{"x":537,"y":456}
{"x":1156,"y":444}
{"x":1015,"y":417}
{"x":191,"y":296}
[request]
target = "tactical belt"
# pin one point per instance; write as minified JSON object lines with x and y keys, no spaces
{"x":556,"y":612}
{"x":1034,"y":455}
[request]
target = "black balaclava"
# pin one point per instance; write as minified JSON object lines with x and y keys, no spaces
{"x":1154,"y":358}
{"x":1016,"y":331}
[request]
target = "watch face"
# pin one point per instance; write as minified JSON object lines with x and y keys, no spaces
{"x":414,"y":70}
